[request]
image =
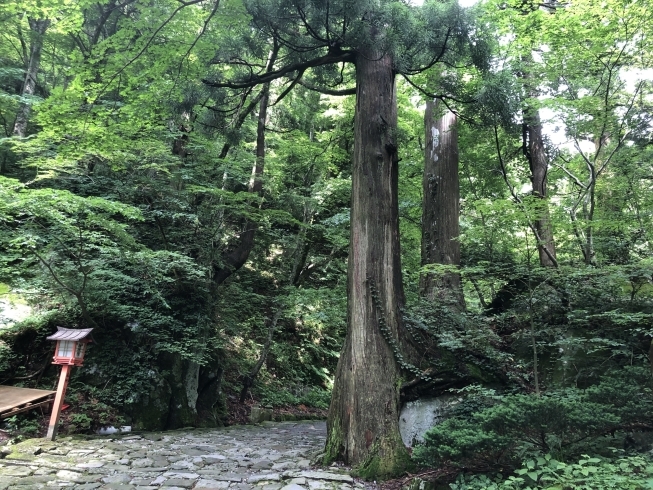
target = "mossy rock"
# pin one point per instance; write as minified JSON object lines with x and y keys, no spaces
{"x":151,"y":413}
{"x":26,"y":450}
{"x":258,"y":415}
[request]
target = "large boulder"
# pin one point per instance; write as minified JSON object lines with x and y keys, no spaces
{"x":418,"y":416}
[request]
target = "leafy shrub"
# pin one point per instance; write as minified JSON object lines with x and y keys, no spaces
{"x":277,"y":398}
{"x":79,"y":421}
{"x":565,"y":423}
{"x":625,"y":473}
{"x":23,"y":425}
{"x":5,"y":356}
{"x":89,"y":414}
{"x":317,"y":398}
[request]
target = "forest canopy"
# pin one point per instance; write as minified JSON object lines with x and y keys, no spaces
{"x":338,"y":205}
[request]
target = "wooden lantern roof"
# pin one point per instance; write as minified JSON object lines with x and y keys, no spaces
{"x":72,"y":334}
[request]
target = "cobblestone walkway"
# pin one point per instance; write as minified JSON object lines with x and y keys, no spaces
{"x":273,"y":456}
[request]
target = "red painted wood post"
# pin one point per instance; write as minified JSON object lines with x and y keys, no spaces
{"x":58,"y":401}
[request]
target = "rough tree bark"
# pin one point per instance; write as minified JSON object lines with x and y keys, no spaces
{"x":363,"y":422}
{"x":37,"y":30}
{"x":538,"y":163}
{"x":440,"y":206}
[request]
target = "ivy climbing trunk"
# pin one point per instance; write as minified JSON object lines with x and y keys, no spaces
{"x":363,"y":422}
{"x":440,"y":207}
{"x":37,"y":30}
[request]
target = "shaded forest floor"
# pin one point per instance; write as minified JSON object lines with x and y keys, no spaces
{"x":238,"y":413}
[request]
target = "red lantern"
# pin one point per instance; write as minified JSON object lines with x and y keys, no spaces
{"x":71,"y":345}
{"x":70,"y":350}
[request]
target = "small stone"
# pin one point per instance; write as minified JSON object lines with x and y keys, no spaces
{"x":194,"y":452}
{"x":91,"y":464}
{"x":212,"y":484}
{"x":158,"y":480}
{"x":153,"y":437}
{"x":232,"y":477}
{"x":32,"y":481}
{"x":298,"y":481}
{"x":241,"y":486}
{"x":178,"y":475}
{"x":179,"y":482}
{"x":121,"y":468}
{"x":272,"y":486}
{"x":262,"y":465}
{"x":264,"y":477}
{"x":17,"y":471}
{"x":317,"y":485}
{"x":67,"y":475}
{"x":141,"y":481}
{"x":59,"y":451}
{"x":88,"y":486}
{"x":81,"y":452}
{"x":218,"y":457}
{"x":136,"y":454}
{"x":325,"y":475}
{"x":131,"y":438}
{"x":142,"y":463}
{"x":116,"y":479}
{"x":117,"y":486}
{"x":293,"y":486}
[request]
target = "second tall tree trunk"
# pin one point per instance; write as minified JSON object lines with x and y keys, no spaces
{"x":539,"y":166}
{"x":440,"y":206}
{"x":37,"y":30}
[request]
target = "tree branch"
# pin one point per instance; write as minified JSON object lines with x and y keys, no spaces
{"x":328,"y":59}
{"x":327,"y":91}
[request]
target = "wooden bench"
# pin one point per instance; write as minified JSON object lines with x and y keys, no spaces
{"x":15,"y":400}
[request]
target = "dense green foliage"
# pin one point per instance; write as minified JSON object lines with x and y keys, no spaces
{"x":627,"y":473}
{"x":563,"y":423}
{"x":132,"y":187}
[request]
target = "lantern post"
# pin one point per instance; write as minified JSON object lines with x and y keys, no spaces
{"x":69,"y":351}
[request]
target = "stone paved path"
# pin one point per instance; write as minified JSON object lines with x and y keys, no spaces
{"x":273,"y":456}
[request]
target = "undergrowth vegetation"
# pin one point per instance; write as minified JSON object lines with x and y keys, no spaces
{"x":173,"y":179}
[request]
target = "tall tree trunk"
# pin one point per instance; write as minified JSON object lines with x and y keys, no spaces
{"x":37,"y":30}
{"x":236,"y":258}
{"x":538,"y":163}
{"x":440,"y":206}
{"x":363,"y":422}
{"x":533,"y":147}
